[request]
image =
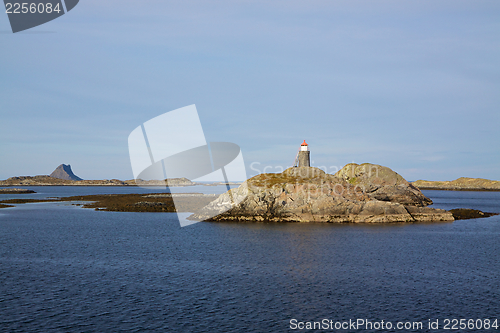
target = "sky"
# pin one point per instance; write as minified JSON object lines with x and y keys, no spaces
{"x":411,"y":85}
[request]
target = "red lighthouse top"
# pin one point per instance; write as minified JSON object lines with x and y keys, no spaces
{"x":304,"y":143}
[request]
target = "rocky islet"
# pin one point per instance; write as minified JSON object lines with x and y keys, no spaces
{"x":357,"y":193}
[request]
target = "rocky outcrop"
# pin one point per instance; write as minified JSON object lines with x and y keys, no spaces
{"x":15,"y":191}
{"x":34,"y":181}
{"x":64,"y":172}
{"x":460,"y":184}
{"x":381,"y":183}
{"x":357,"y":193}
{"x":465,"y":214}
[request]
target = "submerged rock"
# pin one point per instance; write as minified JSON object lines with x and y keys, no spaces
{"x":465,"y":214}
{"x":357,"y":193}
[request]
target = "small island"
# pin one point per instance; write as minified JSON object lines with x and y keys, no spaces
{"x":15,"y":191}
{"x":460,"y":184}
{"x":367,"y":193}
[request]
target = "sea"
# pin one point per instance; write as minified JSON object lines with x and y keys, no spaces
{"x":64,"y":268}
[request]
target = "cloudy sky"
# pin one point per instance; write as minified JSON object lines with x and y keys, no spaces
{"x":412,"y":85}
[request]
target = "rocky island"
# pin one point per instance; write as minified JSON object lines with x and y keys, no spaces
{"x":460,"y":184}
{"x":356,"y":193}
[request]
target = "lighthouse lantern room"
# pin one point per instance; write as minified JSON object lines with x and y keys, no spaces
{"x":304,"y":146}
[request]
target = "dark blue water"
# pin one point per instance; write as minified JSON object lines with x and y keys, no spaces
{"x":68,"y":269}
{"x":484,"y":201}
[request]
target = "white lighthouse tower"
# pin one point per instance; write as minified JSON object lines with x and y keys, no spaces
{"x":303,"y":158}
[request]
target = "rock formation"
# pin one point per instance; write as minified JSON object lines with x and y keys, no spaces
{"x":357,"y":193}
{"x":465,"y":214}
{"x":35,"y":181}
{"x":11,"y":190}
{"x":460,"y":184}
{"x":64,"y":172}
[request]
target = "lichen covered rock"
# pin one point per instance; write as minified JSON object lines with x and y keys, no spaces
{"x":357,"y":193}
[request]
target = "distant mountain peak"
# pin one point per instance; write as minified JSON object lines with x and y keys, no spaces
{"x":64,"y":172}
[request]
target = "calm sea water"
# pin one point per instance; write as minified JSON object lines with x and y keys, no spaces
{"x":68,"y":269}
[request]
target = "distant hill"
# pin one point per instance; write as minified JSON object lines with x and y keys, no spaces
{"x":460,"y":184}
{"x":64,"y":172}
{"x":63,"y":175}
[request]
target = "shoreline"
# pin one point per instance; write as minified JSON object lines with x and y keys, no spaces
{"x":234,"y":184}
{"x":191,"y":203}
{"x":122,"y":185}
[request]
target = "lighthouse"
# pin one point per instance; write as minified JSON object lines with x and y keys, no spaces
{"x":304,"y":157}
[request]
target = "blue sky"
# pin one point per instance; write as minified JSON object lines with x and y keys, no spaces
{"x":412,"y":85}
